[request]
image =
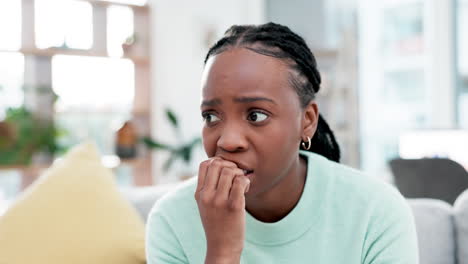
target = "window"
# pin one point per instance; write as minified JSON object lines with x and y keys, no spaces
{"x":11,"y":80}
{"x":63,"y":23}
{"x":119,"y":28}
{"x":10,"y":25}
{"x":394,"y":95}
{"x":406,"y":73}
{"x":403,"y":27}
{"x":98,"y":84}
{"x":95,"y":86}
{"x":462,"y":57}
{"x":132,"y":2}
{"x":11,"y":95}
{"x":95,"y":95}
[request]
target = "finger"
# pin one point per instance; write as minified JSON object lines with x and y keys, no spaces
{"x":226,"y":180}
{"x":214,"y":170}
{"x":238,"y":189}
{"x":202,"y":170}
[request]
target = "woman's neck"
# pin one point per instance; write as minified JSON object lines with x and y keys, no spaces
{"x":275,"y":204}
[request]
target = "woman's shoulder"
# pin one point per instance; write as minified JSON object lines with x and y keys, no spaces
{"x":352,"y":194}
{"x":352,"y":184}
{"x":369,"y":186}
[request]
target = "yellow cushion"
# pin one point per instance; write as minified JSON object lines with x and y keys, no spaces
{"x":72,"y":214}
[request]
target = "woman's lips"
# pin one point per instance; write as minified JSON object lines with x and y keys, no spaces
{"x":247,"y":171}
{"x":249,"y":174}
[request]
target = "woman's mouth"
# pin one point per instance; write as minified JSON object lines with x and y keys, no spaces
{"x":247,"y":172}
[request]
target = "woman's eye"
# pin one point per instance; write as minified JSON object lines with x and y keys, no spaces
{"x":257,"y":116}
{"x":210,"y":118}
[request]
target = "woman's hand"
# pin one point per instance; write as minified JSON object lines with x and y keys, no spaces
{"x":221,"y":202}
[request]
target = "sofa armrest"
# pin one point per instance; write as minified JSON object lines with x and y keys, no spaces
{"x":143,"y":198}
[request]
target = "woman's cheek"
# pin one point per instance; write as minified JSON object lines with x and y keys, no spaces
{"x":208,"y":143}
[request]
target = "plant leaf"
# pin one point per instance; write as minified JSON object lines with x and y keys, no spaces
{"x":150,"y":143}
{"x":172,"y":118}
{"x":186,"y":151}
{"x":168,"y":163}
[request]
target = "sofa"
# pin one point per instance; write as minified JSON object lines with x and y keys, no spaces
{"x":442,"y":229}
{"x":76,"y":207}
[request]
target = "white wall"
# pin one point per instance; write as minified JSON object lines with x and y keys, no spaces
{"x":178,"y":50}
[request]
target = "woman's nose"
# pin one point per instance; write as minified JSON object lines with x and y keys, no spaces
{"x":232,"y":139}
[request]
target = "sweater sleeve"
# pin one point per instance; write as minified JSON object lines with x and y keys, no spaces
{"x":391,"y":235}
{"x":162,"y":245}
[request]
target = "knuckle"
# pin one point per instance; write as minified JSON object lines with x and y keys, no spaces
{"x":205,"y":198}
{"x":241,"y":181}
{"x":235,"y":182}
{"x":229,"y":164}
{"x":238,"y":180}
{"x":216,"y":164}
{"x":225,"y":163}
{"x":203,"y":165}
{"x":226,"y":171}
{"x":235,"y":205}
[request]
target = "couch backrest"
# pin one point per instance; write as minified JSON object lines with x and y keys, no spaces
{"x":435,"y":230}
{"x":143,"y":198}
{"x":436,"y":178}
{"x":461,"y":223}
{"x":436,"y":223}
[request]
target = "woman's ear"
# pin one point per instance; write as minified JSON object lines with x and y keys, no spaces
{"x":310,"y":120}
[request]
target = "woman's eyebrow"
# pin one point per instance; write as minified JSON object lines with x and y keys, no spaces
{"x":244,"y":99}
{"x":252,"y":99}
{"x":213,"y":102}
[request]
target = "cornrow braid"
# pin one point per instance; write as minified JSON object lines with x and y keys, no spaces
{"x":280,"y":42}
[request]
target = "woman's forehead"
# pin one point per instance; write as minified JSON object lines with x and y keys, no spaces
{"x":241,"y":70}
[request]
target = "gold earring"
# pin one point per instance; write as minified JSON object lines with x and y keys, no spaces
{"x":309,"y":143}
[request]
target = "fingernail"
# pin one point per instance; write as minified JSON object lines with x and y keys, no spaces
{"x":248,"y":187}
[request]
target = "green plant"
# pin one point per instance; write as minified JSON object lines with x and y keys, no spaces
{"x":130,"y":40}
{"x":182,"y":151}
{"x":22,"y":135}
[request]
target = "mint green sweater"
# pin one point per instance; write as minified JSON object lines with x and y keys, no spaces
{"x":342,"y":217}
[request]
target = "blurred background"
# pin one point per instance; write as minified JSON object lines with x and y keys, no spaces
{"x":126,"y":75}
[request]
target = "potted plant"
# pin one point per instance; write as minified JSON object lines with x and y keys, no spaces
{"x":22,"y":135}
{"x":181,"y":152}
{"x":128,"y":44}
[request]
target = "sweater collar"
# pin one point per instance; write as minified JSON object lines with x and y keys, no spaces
{"x":303,"y":215}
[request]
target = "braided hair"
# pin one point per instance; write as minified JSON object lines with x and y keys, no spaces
{"x":280,"y":42}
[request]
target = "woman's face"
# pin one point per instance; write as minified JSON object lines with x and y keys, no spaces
{"x":252,"y":115}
